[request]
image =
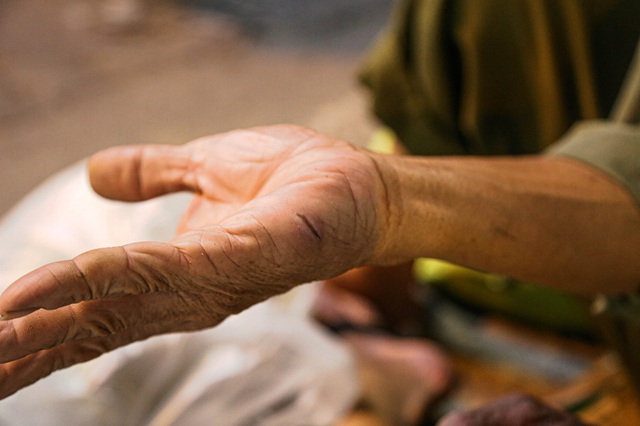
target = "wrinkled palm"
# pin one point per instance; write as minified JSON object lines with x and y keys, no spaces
{"x":273,"y":207}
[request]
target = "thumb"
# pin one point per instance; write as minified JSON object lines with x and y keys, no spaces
{"x":136,"y":173}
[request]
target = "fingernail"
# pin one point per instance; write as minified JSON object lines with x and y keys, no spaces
{"x":6,"y":316}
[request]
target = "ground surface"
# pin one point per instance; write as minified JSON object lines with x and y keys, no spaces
{"x":77,"y":76}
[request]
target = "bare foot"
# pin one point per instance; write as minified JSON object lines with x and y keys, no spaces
{"x":401,"y":377}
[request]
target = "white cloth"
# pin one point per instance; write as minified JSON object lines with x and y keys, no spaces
{"x":269,"y":365}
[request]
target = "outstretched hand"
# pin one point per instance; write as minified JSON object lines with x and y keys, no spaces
{"x":273,"y":207}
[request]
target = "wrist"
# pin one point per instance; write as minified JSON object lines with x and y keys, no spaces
{"x":413,"y":217}
{"x":539,"y":219}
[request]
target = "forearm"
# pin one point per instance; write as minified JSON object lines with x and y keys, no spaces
{"x":547,"y":220}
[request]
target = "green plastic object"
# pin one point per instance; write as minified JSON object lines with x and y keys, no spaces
{"x":525,"y":302}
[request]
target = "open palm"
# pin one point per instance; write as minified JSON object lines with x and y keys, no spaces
{"x":273,"y":207}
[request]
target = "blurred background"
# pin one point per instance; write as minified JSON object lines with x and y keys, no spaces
{"x":77,"y":76}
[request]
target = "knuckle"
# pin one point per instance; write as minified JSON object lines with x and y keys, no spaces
{"x":86,"y":321}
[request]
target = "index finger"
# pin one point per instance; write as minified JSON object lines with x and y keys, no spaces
{"x":96,"y":274}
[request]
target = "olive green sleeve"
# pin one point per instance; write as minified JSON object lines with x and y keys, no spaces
{"x":498,"y":77}
{"x":611,"y":147}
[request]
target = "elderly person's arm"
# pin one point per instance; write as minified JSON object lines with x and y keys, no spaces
{"x":279,"y":206}
{"x":545,"y":219}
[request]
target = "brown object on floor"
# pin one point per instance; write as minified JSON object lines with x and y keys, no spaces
{"x":601,"y":395}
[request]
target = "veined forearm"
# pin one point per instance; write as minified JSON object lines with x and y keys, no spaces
{"x":547,"y":220}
